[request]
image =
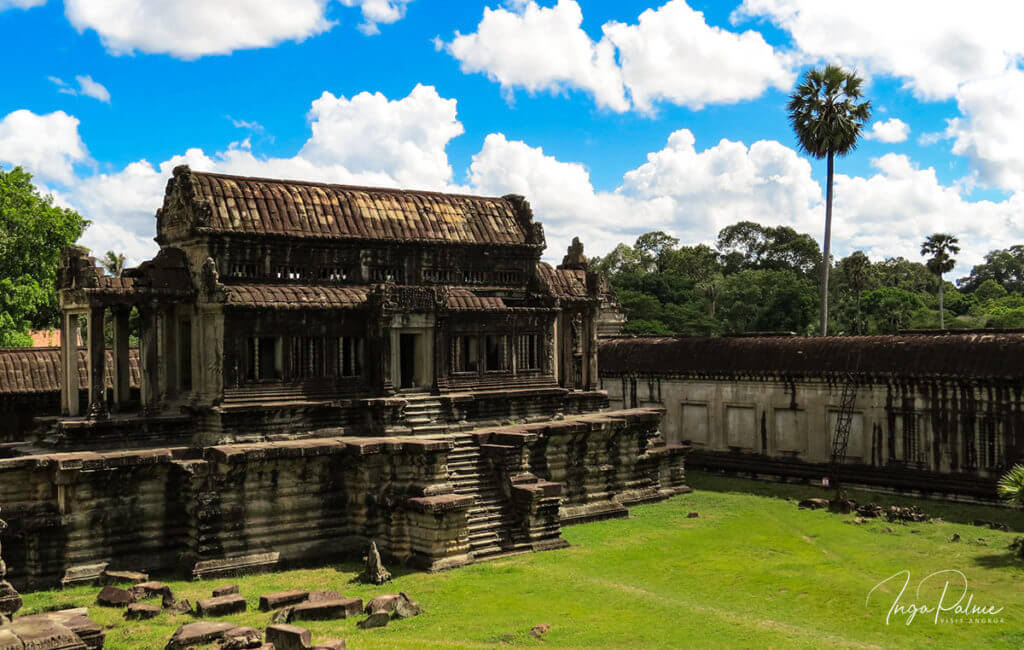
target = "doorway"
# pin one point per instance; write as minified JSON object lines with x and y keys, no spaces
{"x":407,"y":349}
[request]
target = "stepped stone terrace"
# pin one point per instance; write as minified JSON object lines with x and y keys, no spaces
{"x":319,"y":367}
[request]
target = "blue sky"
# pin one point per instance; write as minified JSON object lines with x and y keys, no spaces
{"x":609,"y":116}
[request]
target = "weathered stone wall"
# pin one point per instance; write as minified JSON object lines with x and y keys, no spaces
{"x":312,"y":500}
{"x":953,"y":436}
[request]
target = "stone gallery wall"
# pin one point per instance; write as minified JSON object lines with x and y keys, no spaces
{"x":245,"y":507}
{"x":942,"y":414}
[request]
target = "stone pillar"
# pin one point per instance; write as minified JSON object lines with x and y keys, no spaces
{"x":10,"y":601}
{"x":592,"y":379}
{"x":69,"y":365}
{"x":122,"y":365}
{"x":96,"y":357}
{"x":169,"y":361}
{"x":148,"y":392}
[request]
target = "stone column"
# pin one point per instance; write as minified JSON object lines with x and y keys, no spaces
{"x":69,"y":365}
{"x":169,"y":361}
{"x":592,"y":379}
{"x":10,"y":601}
{"x":97,"y":365}
{"x":148,"y":358}
{"x":122,"y":365}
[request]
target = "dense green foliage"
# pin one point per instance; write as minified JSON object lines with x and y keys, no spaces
{"x":1011,"y":485}
{"x":752,"y":570}
{"x":761,"y":278}
{"x":33,"y":231}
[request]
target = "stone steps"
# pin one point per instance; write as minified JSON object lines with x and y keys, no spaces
{"x":488,"y":519}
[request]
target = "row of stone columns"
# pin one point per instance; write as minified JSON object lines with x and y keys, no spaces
{"x":154,"y":333}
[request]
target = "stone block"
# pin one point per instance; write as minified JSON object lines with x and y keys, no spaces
{"x":334,"y":644}
{"x":376,"y":619}
{"x":396,"y":605}
{"x":196,"y":634}
{"x":241,"y":638}
{"x":141,"y":611}
{"x":113,"y":577}
{"x":326,"y":610}
{"x":85,"y":573}
{"x":282,"y":599}
{"x":8,"y":640}
{"x":220,"y":606}
{"x":41,"y":633}
{"x":150,"y":589}
{"x":226,"y":590}
{"x":289,"y":637}
{"x":235,"y":566}
{"x":114,"y":597}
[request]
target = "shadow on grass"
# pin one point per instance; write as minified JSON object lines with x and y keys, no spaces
{"x":959,"y":513}
{"x":1003,"y":559}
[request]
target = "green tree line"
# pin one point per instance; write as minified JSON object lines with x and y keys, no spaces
{"x":763,"y":278}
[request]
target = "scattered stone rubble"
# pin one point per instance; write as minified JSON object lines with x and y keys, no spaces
{"x":906,"y":513}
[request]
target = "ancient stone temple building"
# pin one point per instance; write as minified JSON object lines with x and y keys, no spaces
{"x":941,"y":413}
{"x":318,"y":367}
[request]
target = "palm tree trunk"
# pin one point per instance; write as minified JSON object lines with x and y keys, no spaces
{"x":826,"y":257}
{"x":942,"y":307}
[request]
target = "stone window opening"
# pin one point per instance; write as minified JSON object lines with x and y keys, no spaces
{"x":388,"y":274}
{"x":289,"y":273}
{"x":508,"y":276}
{"x":244,"y":270}
{"x":185,"y":354}
{"x":528,"y":352}
{"x":351,"y":356}
{"x":497,"y":353}
{"x":334,"y":274}
{"x":466,"y":354}
{"x":262,"y":359}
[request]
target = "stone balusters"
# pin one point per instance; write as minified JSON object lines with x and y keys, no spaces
{"x":10,"y":601}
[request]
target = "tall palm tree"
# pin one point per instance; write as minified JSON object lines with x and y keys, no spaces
{"x":113,"y":263}
{"x":827,"y":116}
{"x":941,"y":247}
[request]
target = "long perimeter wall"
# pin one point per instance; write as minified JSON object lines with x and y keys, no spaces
{"x":941,"y":414}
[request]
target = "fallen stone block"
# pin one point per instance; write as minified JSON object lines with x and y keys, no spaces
{"x":141,"y":612}
{"x":41,"y":633}
{"x":280,"y":599}
{"x":289,"y":637}
{"x":693,"y":515}
{"x":397,"y":605}
{"x":326,"y":610}
{"x":241,"y":638}
{"x":376,"y":619}
{"x":114,"y":597}
{"x":220,"y":606}
{"x":539,"y":631}
{"x":178,"y":606}
{"x":112,"y":577}
{"x":813,"y":504}
{"x":85,"y":573}
{"x":149,"y":589}
{"x":195,"y":634}
{"x":236,"y":566}
{"x":315,"y":596}
{"x":226,"y":590}
{"x":76,"y":620}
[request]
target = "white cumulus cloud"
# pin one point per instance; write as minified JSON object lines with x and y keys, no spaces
{"x":892,"y":130}
{"x":20,"y":4}
{"x":378,"y":12}
{"x":670,"y":55}
{"x":991,"y":132}
{"x":48,"y":146}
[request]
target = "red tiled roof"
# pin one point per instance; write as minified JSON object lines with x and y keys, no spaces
{"x":37,"y":370}
{"x":466,"y":300}
{"x":293,"y":296}
{"x":565,"y":283}
{"x":302,"y":209}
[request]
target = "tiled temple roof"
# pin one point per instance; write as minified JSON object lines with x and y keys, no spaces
{"x":302,"y":209}
{"x":37,"y":370}
{"x":466,"y":300}
{"x":568,"y":284}
{"x":994,"y":355}
{"x":294,"y":296}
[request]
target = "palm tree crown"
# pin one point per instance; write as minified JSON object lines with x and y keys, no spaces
{"x":825,"y":112}
{"x":941,"y":247}
{"x":113,"y":263}
{"x":827,"y":117}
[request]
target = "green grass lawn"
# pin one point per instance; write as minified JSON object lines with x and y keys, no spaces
{"x":752,"y":571}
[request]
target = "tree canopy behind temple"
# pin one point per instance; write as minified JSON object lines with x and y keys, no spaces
{"x":33,"y":231}
{"x":763,"y":278}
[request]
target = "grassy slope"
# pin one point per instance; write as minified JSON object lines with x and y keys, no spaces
{"x":752,"y":571}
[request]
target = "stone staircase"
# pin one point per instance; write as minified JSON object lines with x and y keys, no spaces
{"x":490,"y":519}
{"x":425,"y":415}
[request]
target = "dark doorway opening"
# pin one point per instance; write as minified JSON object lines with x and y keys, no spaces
{"x":407,"y":360}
